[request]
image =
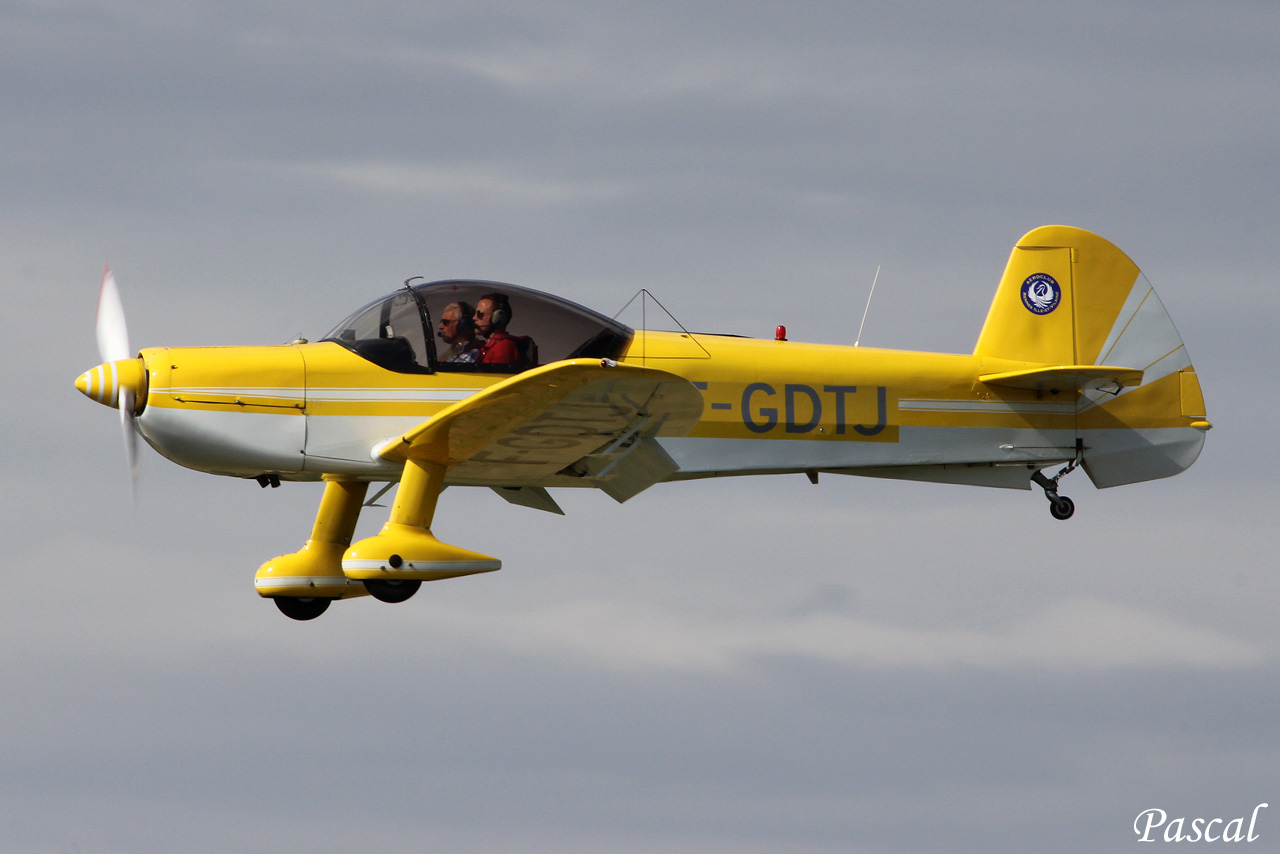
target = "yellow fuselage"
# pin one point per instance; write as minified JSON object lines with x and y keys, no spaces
{"x":305,"y":411}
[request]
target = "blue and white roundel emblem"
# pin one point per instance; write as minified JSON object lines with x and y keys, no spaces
{"x":1040,"y":293}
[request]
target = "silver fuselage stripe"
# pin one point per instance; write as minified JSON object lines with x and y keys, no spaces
{"x":415,"y":565}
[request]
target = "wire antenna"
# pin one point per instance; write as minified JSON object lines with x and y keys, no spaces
{"x":868,"y":308}
{"x":644,"y":296}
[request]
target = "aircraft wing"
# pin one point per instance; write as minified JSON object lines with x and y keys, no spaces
{"x":581,"y":418}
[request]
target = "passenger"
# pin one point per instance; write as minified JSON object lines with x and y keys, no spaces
{"x":458,"y":330}
{"x":493,"y":313}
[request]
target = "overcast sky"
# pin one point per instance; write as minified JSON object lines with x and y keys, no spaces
{"x":755,"y":665}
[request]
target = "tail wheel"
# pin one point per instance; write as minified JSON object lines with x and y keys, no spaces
{"x":385,"y":590}
{"x":297,"y":608}
{"x":1062,"y":508}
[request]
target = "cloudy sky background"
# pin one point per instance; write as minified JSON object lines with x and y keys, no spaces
{"x":734,"y":666}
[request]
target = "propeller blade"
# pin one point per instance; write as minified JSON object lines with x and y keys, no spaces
{"x":130,"y":439}
{"x":113,"y":345}
{"x":113,"y":336}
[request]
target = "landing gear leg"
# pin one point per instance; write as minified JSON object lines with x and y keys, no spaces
{"x":305,"y":582}
{"x":393,"y":564}
{"x":1060,"y":506}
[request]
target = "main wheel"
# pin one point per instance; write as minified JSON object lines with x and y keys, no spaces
{"x":298,"y":608}
{"x":1062,"y":508}
{"x":385,"y":590}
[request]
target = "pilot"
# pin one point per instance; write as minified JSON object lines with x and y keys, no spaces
{"x":458,"y":330}
{"x":493,"y":313}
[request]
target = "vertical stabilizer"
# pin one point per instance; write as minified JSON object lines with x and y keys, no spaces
{"x":1058,"y":299}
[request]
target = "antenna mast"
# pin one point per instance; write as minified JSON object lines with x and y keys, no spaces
{"x":868,"y":308}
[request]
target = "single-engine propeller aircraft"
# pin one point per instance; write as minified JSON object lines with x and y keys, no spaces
{"x":1078,"y":364}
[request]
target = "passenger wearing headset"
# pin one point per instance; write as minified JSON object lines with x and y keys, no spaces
{"x":493,"y":313}
{"x":458,"y":330}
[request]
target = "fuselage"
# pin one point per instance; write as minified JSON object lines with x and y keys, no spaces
{"x":304,"y":411}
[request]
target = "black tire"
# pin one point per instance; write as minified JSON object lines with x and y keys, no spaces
{"x":1062,"y":508}
{"x":297,"y":608}
{"x":385,"y":590}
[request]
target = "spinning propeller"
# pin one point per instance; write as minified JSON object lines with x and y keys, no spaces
{"x":121,"y":380}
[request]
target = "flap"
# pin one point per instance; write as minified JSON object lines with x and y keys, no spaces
{"x":1080,"y":377}
{"x":529,"y":496}
{"x":540,"y":421}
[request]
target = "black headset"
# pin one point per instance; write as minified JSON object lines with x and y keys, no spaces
{"x":466,"y":319}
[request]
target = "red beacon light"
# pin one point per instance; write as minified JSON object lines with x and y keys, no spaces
{"x":780,"y":334}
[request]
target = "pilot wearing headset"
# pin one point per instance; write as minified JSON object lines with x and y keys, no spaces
{"x":493,"y":313}
{"x":458,"y":330}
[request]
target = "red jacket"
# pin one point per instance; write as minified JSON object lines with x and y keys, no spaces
{"x":499,"y":349}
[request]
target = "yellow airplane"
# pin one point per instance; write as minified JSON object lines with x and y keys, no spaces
{"x":1078,"y":364}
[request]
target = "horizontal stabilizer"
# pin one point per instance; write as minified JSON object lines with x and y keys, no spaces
{"x":1079,"y":377}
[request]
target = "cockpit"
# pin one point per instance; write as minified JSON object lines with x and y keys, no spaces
{"x":434,"y":327}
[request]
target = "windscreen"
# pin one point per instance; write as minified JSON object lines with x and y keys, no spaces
{"x":547,"y":328}
{"x":390,"y":332}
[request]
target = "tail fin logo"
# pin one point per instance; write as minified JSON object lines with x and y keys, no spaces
{"x":1041,"y":293}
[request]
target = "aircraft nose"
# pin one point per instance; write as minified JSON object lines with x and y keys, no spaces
{"x":110,"y":380}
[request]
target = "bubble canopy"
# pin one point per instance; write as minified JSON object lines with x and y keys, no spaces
{"x":399,"y":331}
